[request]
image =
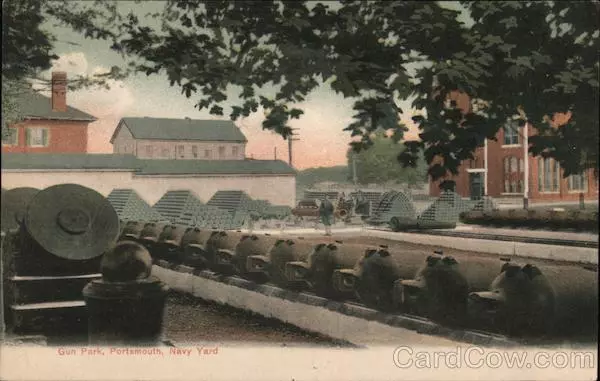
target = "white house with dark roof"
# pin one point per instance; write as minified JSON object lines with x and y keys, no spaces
{"x":179,"y":139}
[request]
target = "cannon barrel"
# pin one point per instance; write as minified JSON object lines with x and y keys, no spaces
{"x":533,"y":300}
{"x":441,"y":287}
{"x":13,"y":206}
{"x":131,"y":231}
{"x":149,"y":236}
{"x":249,"y":245}
{"x":193,"y":244}
{"x":221,"y":243}
{"x":282,"y":252}
{"x":375,"y":274}
{"x":168,"y":245}
{"x":322,"y":262}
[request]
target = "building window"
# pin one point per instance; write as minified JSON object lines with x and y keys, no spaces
{"x":511,"y":133}
{"x":577,"y":182}
{"x":221,"y":152}
{"x":181,"y":151}
{"x":513,"y":175}
{"x":195,"y":151}
{"x":36,"y":137}
{"x":10,"y":137}
{"x":548,"y":175}
{"x":234,"y":151}
{"x":149,"y":151}
{"x":165,"y":153}
{"x":207,"y":153}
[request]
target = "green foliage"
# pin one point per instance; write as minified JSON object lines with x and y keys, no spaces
{"x":540,"y":56}
{"x":379,"y":165}
{"x":28,"y":48}
{"x":307,"y":178}
{"x":11,"y":113}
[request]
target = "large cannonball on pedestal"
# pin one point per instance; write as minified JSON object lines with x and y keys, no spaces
{"x":127,"y":261}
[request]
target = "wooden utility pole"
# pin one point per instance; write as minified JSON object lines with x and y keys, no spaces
{"x":275,"y":152}
{"x":290,"y":140}
{"x":354,"y":174}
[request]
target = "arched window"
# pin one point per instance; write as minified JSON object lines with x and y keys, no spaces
{"x":513,"y":175}
{"x":548,"y":175}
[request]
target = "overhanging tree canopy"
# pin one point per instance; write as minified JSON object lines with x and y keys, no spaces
{"x":540,"y":57}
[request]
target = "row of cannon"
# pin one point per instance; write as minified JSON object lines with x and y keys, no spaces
{"x":581,"y":220}
{"x":475,"y":292}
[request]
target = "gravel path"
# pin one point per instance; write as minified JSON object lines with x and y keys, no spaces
{"x":191,"y":320}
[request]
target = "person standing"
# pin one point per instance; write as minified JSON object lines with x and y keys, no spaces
{"x":326,"y":213}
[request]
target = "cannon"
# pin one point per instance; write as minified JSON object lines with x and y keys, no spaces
{"x":398,"y":225}
{"x":441,"y":287}
{"x":149,"y":236}
{"x":131,"y":230}
{"x":193,"y":244}
{"x":249,"y":245}
{"x":322,"y":262}
{"x":13,"y":206}
{"x":168,"y":245}
{"x":125,"y":306}
{"x":58,"y":248}
{"x":374,"y":275}
{"x":221,"y":243}
{"x":272,"y":265}
{"x":529,"y":300}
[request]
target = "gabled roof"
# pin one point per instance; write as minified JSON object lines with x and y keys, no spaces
{"x":32,"y":105}
{"x":181,"y":129}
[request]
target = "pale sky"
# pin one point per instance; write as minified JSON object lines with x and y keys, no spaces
{"x":320,"y":130}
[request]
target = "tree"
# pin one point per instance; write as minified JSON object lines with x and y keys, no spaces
{"x":536,"y":56}
{"x":379,"y":163}
{"x":278,"y":52}
{"x":28,"y":47}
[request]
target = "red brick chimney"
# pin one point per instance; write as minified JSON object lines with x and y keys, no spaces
{"x":59,"y":91}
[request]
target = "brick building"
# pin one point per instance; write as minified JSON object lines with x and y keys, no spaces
{"x":499,"y":170}
{"x":48,"y":125}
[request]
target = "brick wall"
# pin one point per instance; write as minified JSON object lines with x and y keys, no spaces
{"x":61,"y":137}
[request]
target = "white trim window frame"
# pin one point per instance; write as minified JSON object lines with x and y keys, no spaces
{"x":511,"y":135}
{"x":514,"y":174}
{"x":548,"y":175}
{"x":180,"y":149}
{"x":577,"y":183}
{"x":43,"y":140}
{"x":14,"y":134}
